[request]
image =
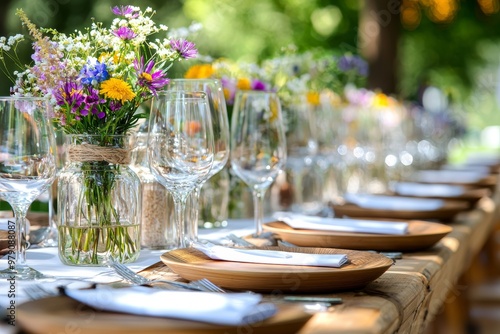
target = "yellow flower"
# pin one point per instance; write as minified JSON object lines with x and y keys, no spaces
{"x":202,"y":71}
{"x":106,"y":56}
{"x":274,"y":111}
{"x":244,"y":84}
{"x":117,"y":89}
{"x":227,"y":93}
{"x":381,"y":100}
{"x":147,"y":77}
{"x":313,"y":98}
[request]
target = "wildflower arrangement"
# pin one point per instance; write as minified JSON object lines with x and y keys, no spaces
{"x":352,"y":70}
{"x":233,"y":76}
{"x":96,"y":79}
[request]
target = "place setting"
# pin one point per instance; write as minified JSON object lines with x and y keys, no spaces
{"x":440,"y":191}
{"x":357,"y":233}
{"x":133,"y":309}
{"x":398,"y":207}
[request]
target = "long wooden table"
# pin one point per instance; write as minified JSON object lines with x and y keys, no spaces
{"x":413,"y":292}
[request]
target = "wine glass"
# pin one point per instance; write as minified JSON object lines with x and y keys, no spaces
{"x":302,"y":146}
{"x":27,"y":168}
{"x":52,"y":235}
{"x":180,"y":147}
{"x":220,"y":124}
{"x":258,"y":144}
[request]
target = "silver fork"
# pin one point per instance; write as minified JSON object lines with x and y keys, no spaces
{"x":37,"y":291}
{"x":134,"y":278}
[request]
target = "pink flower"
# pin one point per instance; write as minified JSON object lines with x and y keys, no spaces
{"x":154,"y":81}
{"x":124,"y":11}
{"x":185,"y":48}
{"x":124,"y":33}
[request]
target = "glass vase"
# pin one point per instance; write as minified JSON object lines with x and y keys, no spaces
{"x":98,"y":202}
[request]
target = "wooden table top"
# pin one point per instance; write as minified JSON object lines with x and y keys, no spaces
{"x":407,"y":297}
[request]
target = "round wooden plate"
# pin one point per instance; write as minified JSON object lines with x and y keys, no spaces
{"x":363,"y":268}
{"x":453,"y":177}
{"x":421,"y":235}
{"x":447,"y":212}
{"x":471,"y":195}
{"x":63,"y":314}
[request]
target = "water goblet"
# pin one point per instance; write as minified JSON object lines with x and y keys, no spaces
{"x":180,"y":148}
{"x":302,"y":146}
{"x":220,"y":124}
{"x":27,"y":168}
{"x":258,"y":144}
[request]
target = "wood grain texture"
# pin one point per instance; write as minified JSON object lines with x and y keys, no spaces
{"x":409,"y":295}
{"x":57,"y":314}
{"x":446,"y":213}
{"x":421,"y":235}
{"x":363,"y":267}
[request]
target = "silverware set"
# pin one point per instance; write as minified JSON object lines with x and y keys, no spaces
{"x":134,"y":278}
{"x":37,"y":291}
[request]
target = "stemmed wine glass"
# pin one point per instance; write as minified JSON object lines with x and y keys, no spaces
{"x":302,"y":146}
{"x":220,"y":124}
{"x":52,"y":235}
{"x":180,"y":147}
{"x":27,"y":168}
{"x":258,"y":144}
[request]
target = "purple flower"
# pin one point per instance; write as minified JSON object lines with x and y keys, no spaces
{"x":99,"y":113}
{"x":154,"y":81}
{"x":185,"y":48}
{"x":124,"y":11}
{"x":114,"y":105}
{"x":70,"y":94}
{"x":229,"y":88}
{"x":93,"y":72}
{"x":359,"y":97}
{"x":92,"y":100}
{"x":125,"y":33}
{"x":348,"y":63}
{"x":258,"y":85}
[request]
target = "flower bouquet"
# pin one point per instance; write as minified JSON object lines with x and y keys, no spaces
{"x":96,"y":80}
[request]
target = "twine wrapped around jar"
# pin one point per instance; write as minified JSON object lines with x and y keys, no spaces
{"x":89,"y":152}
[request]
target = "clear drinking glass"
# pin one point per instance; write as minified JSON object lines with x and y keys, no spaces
{"x":258,"y":144}
{"x":180,"y":147}
{"x":27,"y":168}
{"x":220,"y":124}
{"x":302,"y":146}
{"x":51,"y":239}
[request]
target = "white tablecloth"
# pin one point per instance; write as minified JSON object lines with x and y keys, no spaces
{"x":47,"y":261}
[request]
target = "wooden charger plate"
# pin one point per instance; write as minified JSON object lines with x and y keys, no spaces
{"x":421,"y":235}
{"x":363,"y":268}
{"x":489,"y":181}
{"x":57,"y":314}
{"x":470,"y":194}
{"x":447,"y":212}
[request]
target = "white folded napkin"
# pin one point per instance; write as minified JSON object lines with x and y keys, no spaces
{"x":341,"y":224}
{"x":449,"y":176}
{"x":425,"y":189}
{"x":383,"y":202}
{"x":233,"y":309}
{"x":216,"y":252}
